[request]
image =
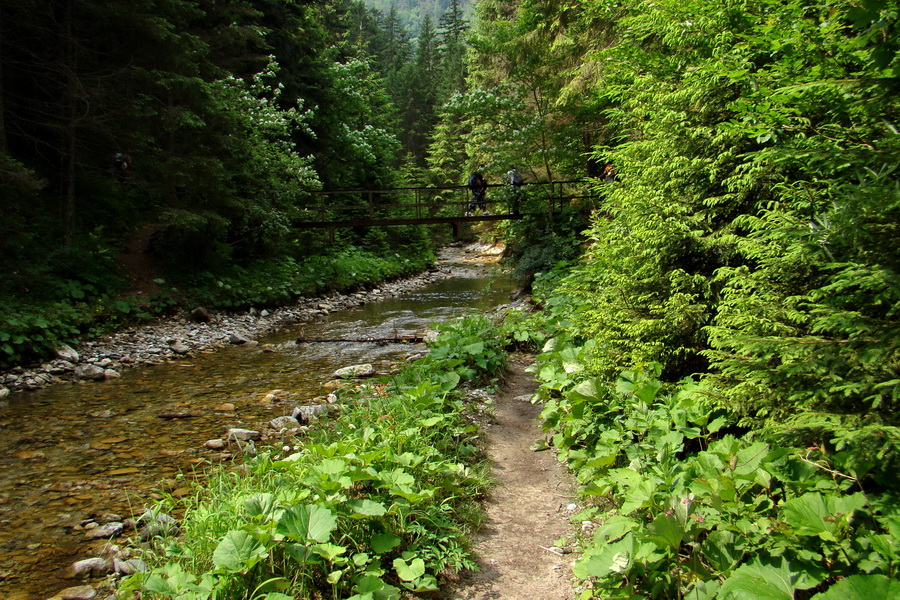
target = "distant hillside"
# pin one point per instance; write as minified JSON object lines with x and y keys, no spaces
{"x":411,"y":13}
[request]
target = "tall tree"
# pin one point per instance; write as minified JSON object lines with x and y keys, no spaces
{"x":453,"y":27}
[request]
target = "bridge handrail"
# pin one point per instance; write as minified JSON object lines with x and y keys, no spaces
{"x":441,"y":188}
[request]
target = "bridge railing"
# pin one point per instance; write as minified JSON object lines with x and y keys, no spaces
{"x":429,"y":202}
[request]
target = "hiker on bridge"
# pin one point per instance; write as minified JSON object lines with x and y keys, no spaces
{"x":515,"y":181}
{"x":478,"y":185}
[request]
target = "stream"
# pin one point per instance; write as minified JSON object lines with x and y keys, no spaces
{"x":78,"y":454}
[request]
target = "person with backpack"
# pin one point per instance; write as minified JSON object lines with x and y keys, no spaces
{"x":478,"y":186}
{"x":516,"y":181}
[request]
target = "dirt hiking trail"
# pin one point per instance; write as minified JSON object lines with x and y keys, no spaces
{"x":527,"y":511}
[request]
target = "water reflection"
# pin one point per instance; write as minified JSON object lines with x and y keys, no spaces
{"x":74,"y":452}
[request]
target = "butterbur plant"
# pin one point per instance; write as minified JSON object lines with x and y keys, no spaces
{"x":699,"y":513}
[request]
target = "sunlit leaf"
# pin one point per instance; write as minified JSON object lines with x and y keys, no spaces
{"x":238,"y":551}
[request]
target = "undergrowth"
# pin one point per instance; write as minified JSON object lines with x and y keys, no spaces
{"x":684,"y":504}
{"x":375,"y":503}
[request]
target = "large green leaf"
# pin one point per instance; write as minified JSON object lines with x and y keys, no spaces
{"x":408,"y":571}
{"x":238,"y":551}
{"x":721,"y":550}
{"x":666,"y":530}
{"x":862,"y":587}
{"x":308,"y":522}
{"x":591,"y":389}
{"x":612,"y":558}
{"x":384,"y":542}
{"x":373,"y":588}
{"x":756,"y":581}
{"x":260,"y":505}
{"x":816,"y":514}
{"x":367,"y":508}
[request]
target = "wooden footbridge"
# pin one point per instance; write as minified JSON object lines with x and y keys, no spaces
{"x":436,"y":205}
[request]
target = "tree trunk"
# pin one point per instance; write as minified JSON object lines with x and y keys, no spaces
{"x":70,"y":127}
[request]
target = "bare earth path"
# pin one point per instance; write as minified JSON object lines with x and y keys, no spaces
{"x":527,"y":511}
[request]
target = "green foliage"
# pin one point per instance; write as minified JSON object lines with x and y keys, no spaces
{"x":749,"y":238}
{"x":27,"y":333}
{"x":280,"y":282}
{"x":374,"y":503}
{"x":472,"y":348}
{"x":697,"y":512}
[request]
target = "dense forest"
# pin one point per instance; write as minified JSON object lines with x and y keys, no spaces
{"x":718,"y":332}
{"x":411,"y":14}
{"x":178,"y":143}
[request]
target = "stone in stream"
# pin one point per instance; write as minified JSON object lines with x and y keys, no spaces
{"x":281,"y":423}
{"x":90,"y":372}
{"x":363,"y":370}
{"x":66,"y":353}
{"x":91,"y":566}
{"x":130,"y":566}
{"x":179,"y":348}
{"x":239,"y":340}
{"x":218,"y":444}
{"x":242,"y":435}
{"x":105,"y":531}
{"x":111,"y":374}
{"x":305,"y":414}
{"x":81,"y":592}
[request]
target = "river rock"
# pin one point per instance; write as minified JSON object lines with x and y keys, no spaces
{"x":242,"y":435}
{"x":307,"y":413}
{"x":105,"y":531}
{"x":90,"y":372}
{"x":66,"y":353}
{"x":91,"y":566}
{"x":280,"y":423}
{"x":218,"y":444}
{"x":81,"y":592}
{"x":4,"y":393}
{"x":156,"y":525}
{"x":200,"y":315}
{"x":129,"y":567}
{"x":239,"y":340}
{"x":111,"y":374}
{"x":179,"y":348}
{"x":363,"y":370}
{"x":275,"y":396}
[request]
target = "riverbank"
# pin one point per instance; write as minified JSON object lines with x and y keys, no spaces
{"x":380,"y":499}
{"x":196,"y":331}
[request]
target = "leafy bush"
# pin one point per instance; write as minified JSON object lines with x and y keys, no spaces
{"x":373,"y":504}
{"x":697,"y":512}
{"x":27,"y":333}
{"x":281,"y":281}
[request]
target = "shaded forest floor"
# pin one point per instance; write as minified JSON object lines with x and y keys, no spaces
{"x":527,"y":512}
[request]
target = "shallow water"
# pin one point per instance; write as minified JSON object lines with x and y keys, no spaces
{"x":70,"y":453}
